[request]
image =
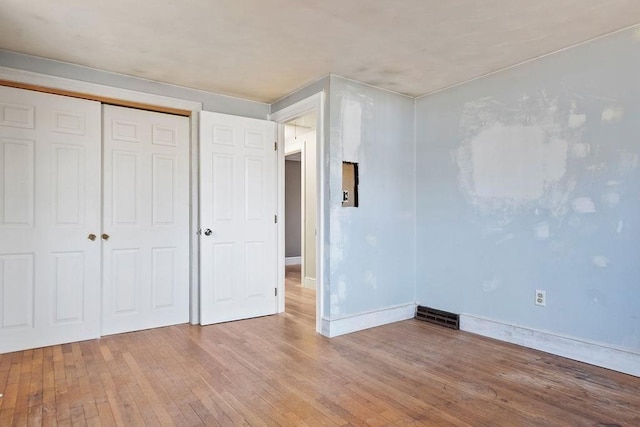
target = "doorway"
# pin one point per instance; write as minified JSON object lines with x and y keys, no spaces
{"x":300,"y":154}
{"x":313,"y":104}
{"x":312,"y":109}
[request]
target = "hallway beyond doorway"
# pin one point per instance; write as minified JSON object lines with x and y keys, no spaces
{"x":300,"y":301}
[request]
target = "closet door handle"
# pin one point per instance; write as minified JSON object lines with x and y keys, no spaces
{"x":92,"y":237}
{"x":105,"y":236}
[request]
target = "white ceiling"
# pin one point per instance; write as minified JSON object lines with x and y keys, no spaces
{"x":263,"y":50}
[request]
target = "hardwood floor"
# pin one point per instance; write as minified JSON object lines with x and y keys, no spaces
{"x":277,"y":371}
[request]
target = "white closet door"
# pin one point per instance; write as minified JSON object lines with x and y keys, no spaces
{"x":238,"y":243}
{"x":146,"y":219}
{"x":49,"y":206}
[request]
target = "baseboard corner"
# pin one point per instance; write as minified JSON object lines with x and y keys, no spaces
{"x":358,"y":322}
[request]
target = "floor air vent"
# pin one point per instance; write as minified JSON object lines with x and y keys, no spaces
{"x":439,"y":317}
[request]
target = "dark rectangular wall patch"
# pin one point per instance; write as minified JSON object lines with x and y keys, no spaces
{"x":349,"y":185}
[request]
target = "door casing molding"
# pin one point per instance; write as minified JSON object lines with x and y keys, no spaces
{"x":313,"y":103}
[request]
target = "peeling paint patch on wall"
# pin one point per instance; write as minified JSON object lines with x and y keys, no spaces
{"x":516,"y":162}
{"x":580,"y":150}
{"x":541,"y":231}
{"x":583,"y":205}
{"x":577,"y":120}
{"x":515,"y":159}
{"x":351,"y":130}
{"x":612,"y":114}
{"x":492,"y":284}
{"x":600,"y":261}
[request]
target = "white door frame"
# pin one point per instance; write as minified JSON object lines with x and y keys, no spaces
{"x":301,"y":108}
{"x":64,"y":84}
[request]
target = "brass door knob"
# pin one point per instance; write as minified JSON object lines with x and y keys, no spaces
{"x":92,"y":237}
{"x":105,"y":236}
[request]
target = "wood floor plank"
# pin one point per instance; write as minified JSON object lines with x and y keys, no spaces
{"x":154,"y":402}
{"x":48,"y":389}
{"x":276,"y":370}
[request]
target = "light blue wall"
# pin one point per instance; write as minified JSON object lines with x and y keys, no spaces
{"x":530,"y":179}
{"x":210,"y":101}
{"x":370,"y":248}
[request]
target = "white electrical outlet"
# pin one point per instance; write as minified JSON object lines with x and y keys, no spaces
{"x":541,"y":298}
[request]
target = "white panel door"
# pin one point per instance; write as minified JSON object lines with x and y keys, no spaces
{"x":237,"y":218}
{"x":146,"y":219}
{"x":49,"y":206}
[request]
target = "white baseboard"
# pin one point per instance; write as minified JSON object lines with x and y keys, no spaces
{"x":357,"y":322}
{"x":309,"y":283}
{"x":293,"y":260}
{"x":603,"y":355}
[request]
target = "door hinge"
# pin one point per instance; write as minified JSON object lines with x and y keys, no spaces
{"x":275,"y":145}
{"x":275,"y":219}
{"x":276,"y":291}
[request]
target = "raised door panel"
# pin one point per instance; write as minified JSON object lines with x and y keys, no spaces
{"x":18,"y":287}
{"x":223,"y":263}
{"x":68,"y":185}
{"x":68,"y":287}
{"x":163,"y":187}
{"x":70,"y":122}
{"x":125,"y":187}
{"x":18,"y":115}
{"x":254,"y":192}
{"x":163,"y":277}
{"x":222,"y":188}
{"x":124,"y":279}
{"x":17,"y":182}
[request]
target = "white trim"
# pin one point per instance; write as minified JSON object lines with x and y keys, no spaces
{"x":357,"y":322}
{"x":293,"y":111}
{"x":313,"y":103}
{"x":303,"y":211}
{"x":61,"y":83}
{"x":599,"y":354}
{"x":322,"y":206}
{"x":309,"y":282}
{"x":280,"y":300}
{"x":194,"y":255}
{"x":292,"y":147}
{"x":292,"y":260}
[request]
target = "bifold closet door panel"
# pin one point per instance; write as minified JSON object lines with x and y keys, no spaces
{"x":145,"y":236}
{"x":49,"y":208}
